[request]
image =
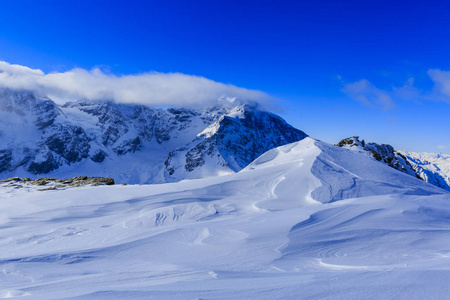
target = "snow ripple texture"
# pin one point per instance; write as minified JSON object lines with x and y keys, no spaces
{"x":285,"y":227}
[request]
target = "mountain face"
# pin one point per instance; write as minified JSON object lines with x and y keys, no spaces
{"x":37,"y":135}
{"x":132,"y":143}
{"x":430,"y":167}
{"x":233,"y":141}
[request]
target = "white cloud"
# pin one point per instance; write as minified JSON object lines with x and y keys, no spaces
{"x":443,"y":147}
{"x":368,"y":94}
{"x":407,"y":92}
{"x":151,"y":88}
{"x":441,"y":90}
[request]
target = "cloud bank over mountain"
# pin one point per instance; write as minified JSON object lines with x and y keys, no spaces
{"x":152,"y":88}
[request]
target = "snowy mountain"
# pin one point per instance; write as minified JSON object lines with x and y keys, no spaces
{"x":132,"y":143}
{"x":306,"y":220}
{"x":430,"y":167}
{"x":232,"y":142}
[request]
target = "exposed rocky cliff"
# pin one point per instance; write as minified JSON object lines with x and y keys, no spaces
{"x":36,"y":134}
{"x":232,"y":142}
{"x":430,"y":167}
{"x":132,"y":143}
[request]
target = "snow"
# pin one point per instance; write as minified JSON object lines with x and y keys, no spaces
{"x":16,"y":130}
{"x":432,"y":167}
{"x":284,"y":227}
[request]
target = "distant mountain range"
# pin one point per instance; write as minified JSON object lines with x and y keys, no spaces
{"x":139,"y":144}
{"x":132,"y":143}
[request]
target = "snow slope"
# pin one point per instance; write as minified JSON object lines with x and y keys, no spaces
{"x":307,"y":220}
{"x":431,"y":167}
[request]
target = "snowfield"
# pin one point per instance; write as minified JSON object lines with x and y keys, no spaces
{"x":304,"y":221}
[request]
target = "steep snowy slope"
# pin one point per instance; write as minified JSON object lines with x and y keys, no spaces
{"x":430,"y":167}
{"x":307,"y":220}
{"x":231,"y":142}
{"x":35,"y":133}
{"x":382,"y":152}
{"x":131,"y":143}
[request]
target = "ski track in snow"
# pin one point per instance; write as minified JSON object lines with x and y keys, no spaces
{"x":302,"y":221}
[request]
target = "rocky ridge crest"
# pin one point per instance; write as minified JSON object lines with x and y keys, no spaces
{"x":405,"y":162}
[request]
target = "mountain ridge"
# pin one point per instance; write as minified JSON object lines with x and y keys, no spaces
{"x":429,"y":167}
{"x":132,"y":143}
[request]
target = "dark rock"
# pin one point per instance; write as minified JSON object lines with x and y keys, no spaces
{"x":69,"y":142}
{"x":5,"y":160}
{"x":48,"y":189}
{"x":43,"y":167}
{"x":194,"y":157}
{"x":11,"y":179}
{"x":55,"y":183}
{"x":43,"y":181}
{"x":351,"y":141}
{"x":98,"y":156}
{"x":129,"y":146}
{"x":99,"y":181}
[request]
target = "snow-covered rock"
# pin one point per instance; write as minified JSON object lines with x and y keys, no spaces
{"x":232,"y":142}
{"x":36,"y":135}
{"x":430,"y":167}
{"x":132,"y":143}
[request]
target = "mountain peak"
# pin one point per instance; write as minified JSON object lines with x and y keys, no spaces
{"x":132,"y":142}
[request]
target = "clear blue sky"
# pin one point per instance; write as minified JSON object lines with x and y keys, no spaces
{"x":308,"y":53}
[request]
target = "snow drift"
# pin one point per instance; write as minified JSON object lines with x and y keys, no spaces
{"x":305,"y":220}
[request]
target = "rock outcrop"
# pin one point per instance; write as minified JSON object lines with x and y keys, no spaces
{"x":47,"y":183}
{"x":430,"y":167}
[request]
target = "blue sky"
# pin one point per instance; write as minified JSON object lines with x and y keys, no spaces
{"x":371,"y":68}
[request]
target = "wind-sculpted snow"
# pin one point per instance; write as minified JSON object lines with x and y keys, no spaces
{"x":348,"y":174}
{"x":256,"y":234}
